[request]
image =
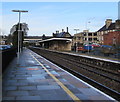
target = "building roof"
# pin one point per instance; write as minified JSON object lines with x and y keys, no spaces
{"x":33,"y":37}
{"x":111,"y":27}
{"x":53,"y":39}
{"x":61,"y":35}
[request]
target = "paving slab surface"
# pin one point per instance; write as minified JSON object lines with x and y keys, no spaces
{"x":26,"y":79}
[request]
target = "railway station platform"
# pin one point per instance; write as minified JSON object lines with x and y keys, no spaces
{"x":34,"y":78}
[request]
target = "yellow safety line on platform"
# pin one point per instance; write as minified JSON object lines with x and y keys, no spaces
{"x":75,"y":98}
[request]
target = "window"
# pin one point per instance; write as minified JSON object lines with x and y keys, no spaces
{"x":89,"y":34}
{"x":90,"y":39}
{"x":95,"y":38}
{"x":95,"y":34}
{"x":84,"y":34}
{"x":79,"y":38}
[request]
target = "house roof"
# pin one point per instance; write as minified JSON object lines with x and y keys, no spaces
{"x":111,"y":27}
{"x":58,"y":39}
{"x":61,"y":35}
{"x":33,"y":37}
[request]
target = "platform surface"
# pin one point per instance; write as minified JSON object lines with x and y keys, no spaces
{"x":35,"y":78}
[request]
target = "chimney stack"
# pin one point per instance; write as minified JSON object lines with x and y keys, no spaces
{"x":108,"y":22}
{"x":67,"y":29}
{"x":117,"y":24}
{"x":86,"y":31}
{"x":62,"y":30}
{"x":57,"y":31}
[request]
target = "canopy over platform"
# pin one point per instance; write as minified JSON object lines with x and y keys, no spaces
{"x":54,"y":39}
{"x":57,"y":44}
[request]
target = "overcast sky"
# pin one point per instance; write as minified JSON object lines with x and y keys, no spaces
{"x":47,"y":17}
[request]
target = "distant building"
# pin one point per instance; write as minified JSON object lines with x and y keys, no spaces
{"x":112,"y":38}
{"x":32,"y":40}
{"x":78,"y":39}
{"x":3,"y":40}
{"x":59,"y":41}
{"x":84,"y":37}
{"x":108,"y":27}
{"x":61,"y":44}
{"x":90,"y":37}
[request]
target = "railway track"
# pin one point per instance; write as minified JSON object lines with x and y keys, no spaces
{"x":102,"y":78}
{"x":107,"y":74}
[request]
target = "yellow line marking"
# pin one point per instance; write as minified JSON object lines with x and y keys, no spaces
{"x":75,"y":98}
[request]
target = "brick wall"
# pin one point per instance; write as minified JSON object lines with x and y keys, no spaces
{"x":112,"y":38}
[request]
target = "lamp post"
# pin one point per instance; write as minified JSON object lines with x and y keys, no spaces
{"x":87,"y":29}
{"x":87,"y":25}
{"x":76,"y":40}
{"x":19,"y":11}
{"x":76,"y":30}
{"x":119,"y":10}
